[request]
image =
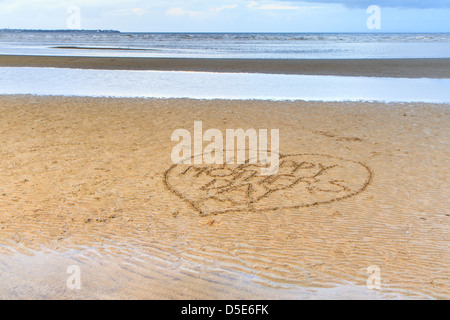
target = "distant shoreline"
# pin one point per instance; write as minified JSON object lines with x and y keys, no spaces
{"x":205,"y":32}
{"x":394,"y":68}
{"x":60,"y":30}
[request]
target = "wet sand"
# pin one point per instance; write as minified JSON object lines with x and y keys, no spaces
{"x":90,"y":182}
{"x":395,"y":68}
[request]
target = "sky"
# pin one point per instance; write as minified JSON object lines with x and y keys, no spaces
{"x":227,"y":15}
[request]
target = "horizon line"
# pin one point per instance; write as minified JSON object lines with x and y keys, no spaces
{"x":225,"y":32}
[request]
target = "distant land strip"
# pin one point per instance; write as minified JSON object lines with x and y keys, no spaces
{"x":396,"y":68}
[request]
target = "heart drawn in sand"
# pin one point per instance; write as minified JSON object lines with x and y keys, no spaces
{"x":303,"y":180}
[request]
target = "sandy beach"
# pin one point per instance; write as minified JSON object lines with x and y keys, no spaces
{"x":90,"y":182}
{"x":394,"y":68}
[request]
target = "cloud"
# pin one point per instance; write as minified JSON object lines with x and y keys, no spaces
{"x":386,"y":3}
{"x":276,"y":7}
{"x":129,"y":11}
{"x":227,"y":6}
{"x":138,"y":11}
{"x":177,"y":11}
{"x":271,"y":6}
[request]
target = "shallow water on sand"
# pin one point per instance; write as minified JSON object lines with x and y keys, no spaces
{"x":208,"y":85}
{"x":43,"y":275}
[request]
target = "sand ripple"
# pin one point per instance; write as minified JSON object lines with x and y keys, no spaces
{"x":83,"y":181}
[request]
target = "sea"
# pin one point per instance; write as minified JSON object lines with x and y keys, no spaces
{"x":210,"y":85}
{"x":227,"y":45}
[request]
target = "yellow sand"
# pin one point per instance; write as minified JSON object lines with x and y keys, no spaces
{"x":395,"y":68}
{"x":83,"y":181}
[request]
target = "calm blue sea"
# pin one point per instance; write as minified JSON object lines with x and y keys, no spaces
{"x":226,"y":45}
{"x":208,"y":85}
